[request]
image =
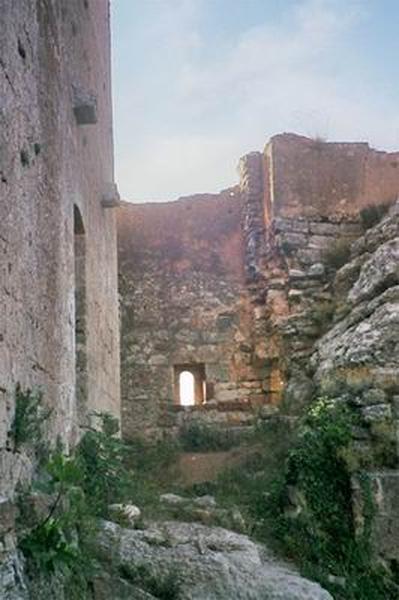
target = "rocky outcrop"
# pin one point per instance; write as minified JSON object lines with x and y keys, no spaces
{"x":357,"y":360}
{"x":364,"y":341}
{"x":206,"y":563}
{"x":12,"y":586}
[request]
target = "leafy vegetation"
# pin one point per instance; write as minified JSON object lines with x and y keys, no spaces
{"x":371,"y":215}
{"x":303,"y":504}
{"x":295,"y":490}
{"x":80,"y":488}
{"x":198,"y":437}
{"x":101,"y":461}
{"x":102,"y":470}
{"x":58,"y":545}
{"x":337,"y":254}
{"x":246,"y":485}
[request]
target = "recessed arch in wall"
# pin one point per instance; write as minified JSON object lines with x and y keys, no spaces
{"x":81,"y":386}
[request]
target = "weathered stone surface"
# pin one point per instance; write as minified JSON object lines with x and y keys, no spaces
{"x":378,"y":412}
{"x":59,"y":323}
{"x":183,"y":266}
{"x":15,"y":469}
{"x":48,"y":166}
{"x":298,"y":393}
{"x":204,"y":509}
{"x":378,"y":273}
{"x":107,"y":587}
{"x":357,"y":342}
{"x":205,"y":502}
{"x":210,"y":563}
{"x":361,"y":352}
{"x":372,"y":396}
{"x":313,"y":178}
{"x":385,"y":496}
{"x":292,"y":225}
{"x":316,"y":270}
{"x":8,"y":513}
{"x":323,"y":228}
{"x":368,"y":336}
{"x":12,"y":586}
{"x":296,"y":274}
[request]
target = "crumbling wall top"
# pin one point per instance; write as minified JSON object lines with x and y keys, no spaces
{"x":315,"y":178}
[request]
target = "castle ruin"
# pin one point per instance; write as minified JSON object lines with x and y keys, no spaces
{"x":227,"y":286}
{"x":59,"y":325}
{"x":237,"y":293}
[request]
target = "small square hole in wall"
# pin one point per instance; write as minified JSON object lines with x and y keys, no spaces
{"x":190,"y":384}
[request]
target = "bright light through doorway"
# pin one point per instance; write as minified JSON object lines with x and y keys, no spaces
{"x":186,"y":385}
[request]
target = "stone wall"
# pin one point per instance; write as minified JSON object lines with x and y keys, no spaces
{"x":185,"y":301}
{"x":312,"y":194}
{"x":56,"y":167}
{"x":313,"y":178}
{"x":241,"y":282}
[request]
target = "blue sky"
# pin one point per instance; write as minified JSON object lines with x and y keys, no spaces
{"x":198,"y":83}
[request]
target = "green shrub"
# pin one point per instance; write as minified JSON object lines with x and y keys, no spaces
{"x":82,"y":486}
{"x":310,"y":508}
{"x":337,"y":254}
{"x":198,"y":437}
{"x":295,"y":493}
{"x":102,"y":470}
{"x":248,"y":484}
{"x":101,"y":456}
{"x":316,"y":466}
{"x":57,"y":549}
{"x":144,"y":456}
{"x":371,"y":215}
{"x":48,"y":548}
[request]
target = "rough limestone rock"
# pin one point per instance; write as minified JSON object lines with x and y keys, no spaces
{"x":379,"y":272}
{"x":12,"y":586}
{"x":115,"y":588}
{"x":367,"y":335}
{"x":210,"y":563}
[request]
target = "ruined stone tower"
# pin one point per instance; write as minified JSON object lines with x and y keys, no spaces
{"x":58,"y":290}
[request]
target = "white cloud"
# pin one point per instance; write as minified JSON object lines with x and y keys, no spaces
{"x":280,"y":76}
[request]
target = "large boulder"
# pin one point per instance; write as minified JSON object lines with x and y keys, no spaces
{"x":202,"y":563}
